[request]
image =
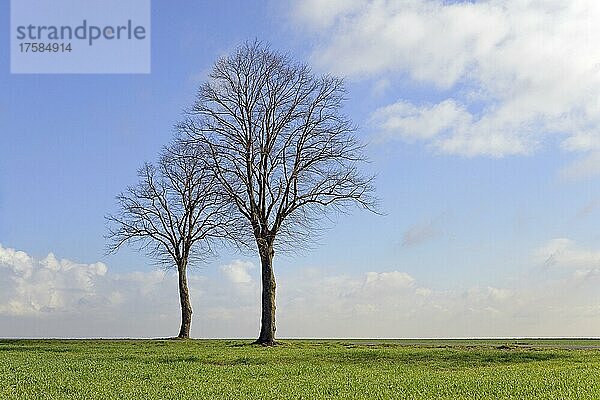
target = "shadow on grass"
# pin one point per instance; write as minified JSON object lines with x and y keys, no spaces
{"x":255,"y":345}
{"x":432,"y":359}
{"x":289,"y":353}
{"x":37,"y":349}
{"x":442,"y":358}
{"x":172,"y":360}
{"x":194,"y":359}
{"x":238,"y":361}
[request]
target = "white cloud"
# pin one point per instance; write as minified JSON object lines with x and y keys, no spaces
{"x":522,"y":71}
{"x":322,"y":14}
{"x":314,"y":305}
{"x":30,"y":286}
{"x":237,"y":271}
{"x":58,"y":297}
{"x":566,"y":253}
{"x":382,"y":280}
{"x":52,"y":297}
{"x":427,"y":122}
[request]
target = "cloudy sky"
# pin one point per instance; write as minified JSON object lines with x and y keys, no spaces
{"x":482,"y":120}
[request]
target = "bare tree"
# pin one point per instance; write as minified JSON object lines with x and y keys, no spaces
{"x":282,"y":150}
{"x":175,"y":213}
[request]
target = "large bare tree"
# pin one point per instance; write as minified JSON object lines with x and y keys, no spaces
{"x":281,"y":148}
{"x":175,"y":213}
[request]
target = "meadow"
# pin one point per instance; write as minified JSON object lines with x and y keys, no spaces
{"x":300,"y":369}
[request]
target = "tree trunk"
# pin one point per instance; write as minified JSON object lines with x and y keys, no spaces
{"x":186,"y":306}
{"x":267,"y":328}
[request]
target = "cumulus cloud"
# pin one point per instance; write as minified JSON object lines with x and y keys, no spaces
{"x":52,"y":297}
{"x":521,"y":72}
{"x":360,"y":305}
{"x":394,"y":279}
{"x":34,"y":286}
{"x":237,"y":271}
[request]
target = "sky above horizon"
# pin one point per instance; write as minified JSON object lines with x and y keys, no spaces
{"x":482,"y":120}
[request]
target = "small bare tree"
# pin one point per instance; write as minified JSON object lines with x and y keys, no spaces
{"x":175,"y":213}
{"x":282,"y":150}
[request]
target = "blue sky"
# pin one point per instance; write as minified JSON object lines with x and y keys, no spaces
{"x":487,"y":170}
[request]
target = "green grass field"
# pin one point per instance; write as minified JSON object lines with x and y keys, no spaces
{"x":347,"y":369}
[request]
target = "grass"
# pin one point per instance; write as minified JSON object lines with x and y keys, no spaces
{"x":347,"y":369}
